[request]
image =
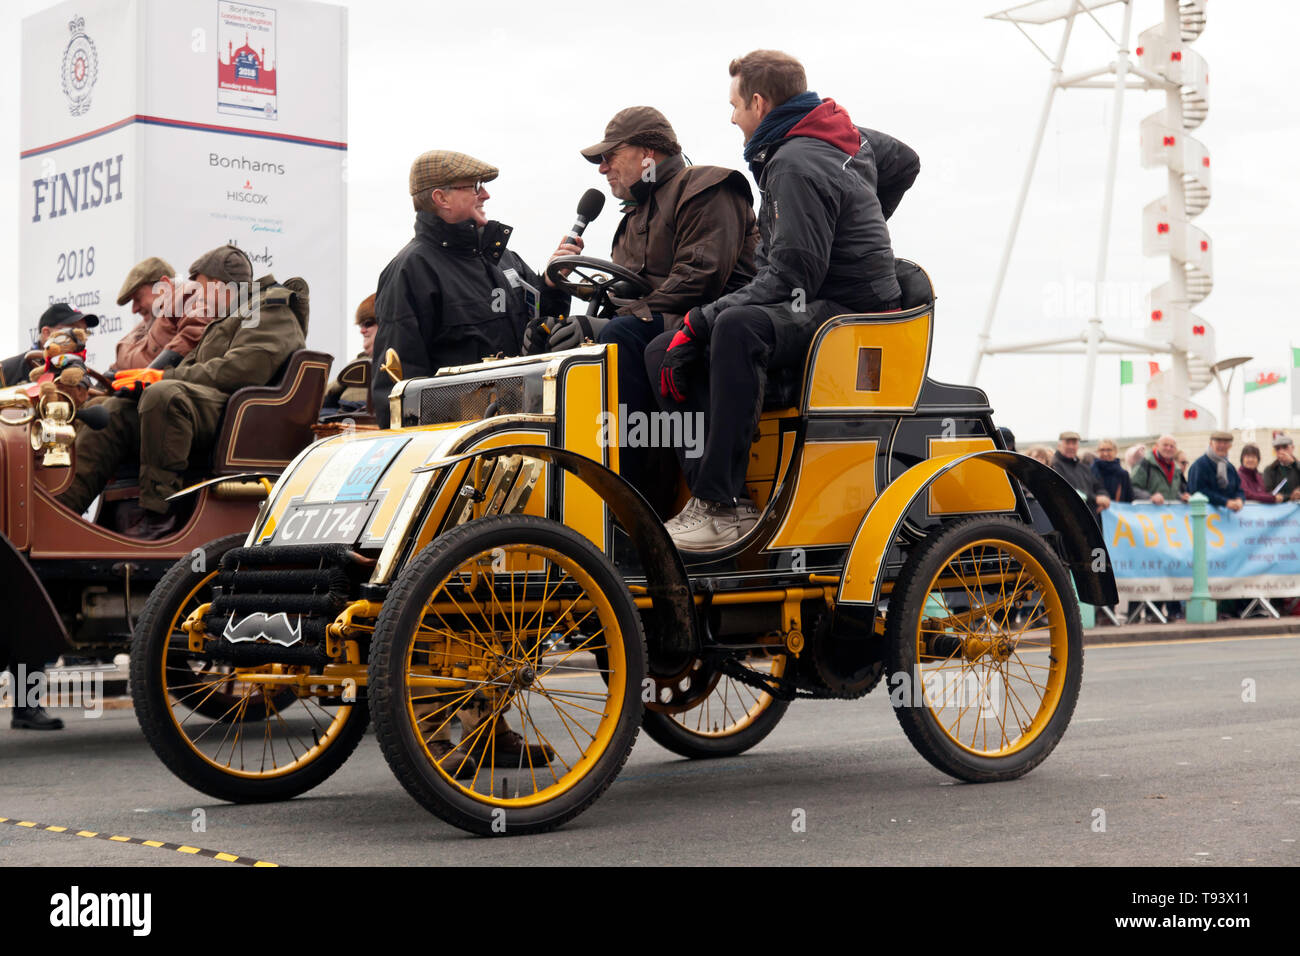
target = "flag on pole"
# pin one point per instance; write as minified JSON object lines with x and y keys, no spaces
{"x":1295,"y":381}
{"x":1264,"y":380}
{"x":1130,"y":372}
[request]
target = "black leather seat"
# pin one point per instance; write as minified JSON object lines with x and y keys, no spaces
{"x":784,"y":384}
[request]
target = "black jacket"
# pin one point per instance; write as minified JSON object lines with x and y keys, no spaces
{"x":452,"y":297}
{"x":821,"y":223}
{"x":1081,"y":478}
{"x":896,"y":167}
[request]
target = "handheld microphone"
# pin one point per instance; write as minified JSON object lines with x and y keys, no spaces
{"x":589,"y":207}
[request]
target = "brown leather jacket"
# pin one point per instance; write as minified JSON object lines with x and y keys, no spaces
{"x":691,"y":235}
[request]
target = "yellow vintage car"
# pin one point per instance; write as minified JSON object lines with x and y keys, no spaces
{"x":482,"y":583}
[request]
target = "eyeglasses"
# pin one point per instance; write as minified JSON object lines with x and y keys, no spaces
{"x":369,"y":324}
{"x":605,"y":158}
{"x":477,"y":187}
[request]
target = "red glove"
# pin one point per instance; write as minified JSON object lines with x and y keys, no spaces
{"x":134,"y":380}
{"x":687,"y":346}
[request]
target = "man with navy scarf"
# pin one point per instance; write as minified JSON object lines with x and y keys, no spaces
{"x":827,"y":187}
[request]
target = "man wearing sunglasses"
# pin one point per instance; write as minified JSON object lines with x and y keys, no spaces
{"x":455,"y":294}
{"x":690,"y":232}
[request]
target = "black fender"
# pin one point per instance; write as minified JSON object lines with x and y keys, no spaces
{"x":35,"y":634}
{"x":1084,"y":548}
{"x":676,"y":641}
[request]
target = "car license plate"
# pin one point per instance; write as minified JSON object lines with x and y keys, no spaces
{"x":328,"y":523}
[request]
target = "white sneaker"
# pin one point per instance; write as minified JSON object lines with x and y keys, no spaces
{"x":683,"y":518}
{"x":706,"y":526}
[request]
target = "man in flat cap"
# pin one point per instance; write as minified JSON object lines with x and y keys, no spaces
{"x":1081,"y":477}
{"x":690,"y":232}
{"x":1284,"y":473}
{"x":163,"y":417}
{"x":14,"y":370}
{"x":455,"y":294}
{"x":1214,"y":476}
{"x":165,"y":333}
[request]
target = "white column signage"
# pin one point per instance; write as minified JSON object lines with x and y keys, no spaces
{"x":167,"y":127}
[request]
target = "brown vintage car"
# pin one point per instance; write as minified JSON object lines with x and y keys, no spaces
{"x":76,"y":586}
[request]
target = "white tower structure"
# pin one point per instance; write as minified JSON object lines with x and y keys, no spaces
{"x":1166,"y":223}
{"x":1165,"y":63}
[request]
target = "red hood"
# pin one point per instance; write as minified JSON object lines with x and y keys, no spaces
{"x":830,"y":123}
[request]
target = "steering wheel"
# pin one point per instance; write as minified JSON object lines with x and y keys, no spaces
{"x":596,"y":277}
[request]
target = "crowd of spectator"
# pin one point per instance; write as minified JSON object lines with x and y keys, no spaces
{"x":1163,"y":474}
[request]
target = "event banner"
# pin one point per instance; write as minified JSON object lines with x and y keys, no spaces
{"x":168,"y":127}
{"x":1254,"y":552}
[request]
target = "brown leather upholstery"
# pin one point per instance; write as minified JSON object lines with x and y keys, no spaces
{"x":356,"y":374}
{"x":265,"y":427}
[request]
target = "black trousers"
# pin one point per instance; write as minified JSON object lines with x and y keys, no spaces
{"x":650,"y":470}
{"x":726,"y":390}
{"x":724,"y":396}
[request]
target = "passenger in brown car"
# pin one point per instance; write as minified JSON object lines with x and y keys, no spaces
{"x":163,"y":418}
{"x":166,"y":332}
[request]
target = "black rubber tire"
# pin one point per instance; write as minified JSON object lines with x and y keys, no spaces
{"x":905,"y":610}
{"x":672,"y":736}
{"x":394,"y":631}
{"x":153,"y":706}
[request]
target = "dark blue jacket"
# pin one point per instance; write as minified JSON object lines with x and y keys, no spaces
{"x":1203,"y":477}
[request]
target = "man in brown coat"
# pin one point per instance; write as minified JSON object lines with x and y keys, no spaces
{"x":166,"y":416}
{"x":689,"y":231}
{"x":166,"y":332}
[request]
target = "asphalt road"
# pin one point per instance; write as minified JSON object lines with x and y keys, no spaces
{"x":1186,"y":772}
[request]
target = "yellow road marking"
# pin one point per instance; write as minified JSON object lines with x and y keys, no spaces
{"x":156,"y":844}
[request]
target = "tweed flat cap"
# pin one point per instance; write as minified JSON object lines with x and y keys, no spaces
{"x":1282,"y":440}
{"x":225,"y":263}
{"x":1220,"y":435}
{"x":1068,"y":436}
{"x":442,"y":167}
{"x":144,"y":273}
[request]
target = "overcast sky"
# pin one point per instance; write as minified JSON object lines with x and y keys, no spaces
{"x":525,"y":85}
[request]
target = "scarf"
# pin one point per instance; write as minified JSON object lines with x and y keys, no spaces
{"x":780,"y":121}
{"x":1221,"y":465}
{"x":1112,"y":475}
{"x":1166,"y":465}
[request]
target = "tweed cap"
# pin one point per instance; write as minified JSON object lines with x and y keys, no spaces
{"x":1220,"y":435}
{"x":224,"y":263}
{"x":144,"y":273}
{"x":636,"y":126}
{"x":1282,"y":440}
{"x":442,"y":167}
{"x":1068,"y":436}
{"x":366,"y":310}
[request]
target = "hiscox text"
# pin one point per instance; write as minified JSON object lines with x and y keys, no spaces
{"x":85,"y":187}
